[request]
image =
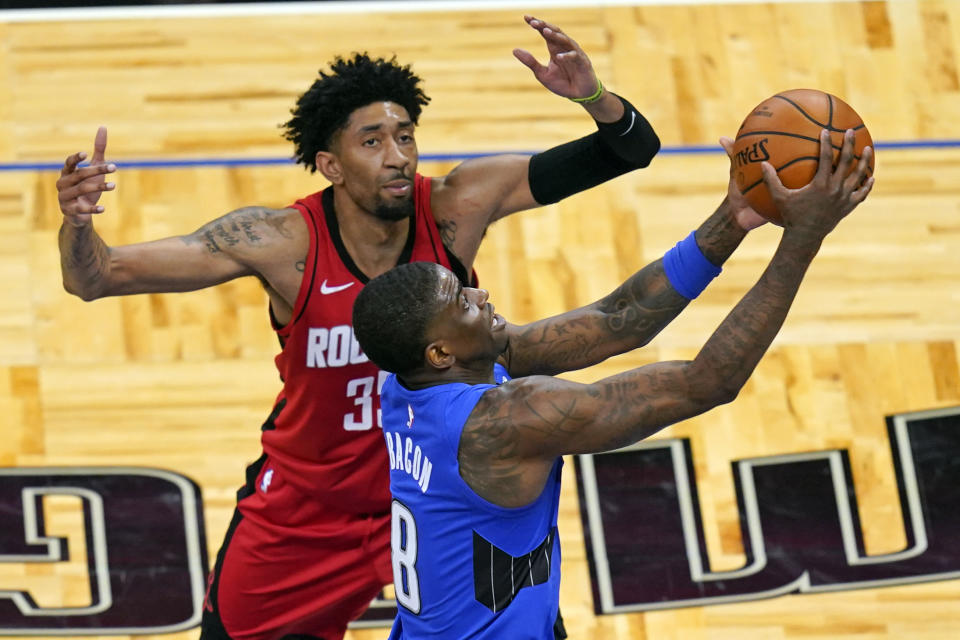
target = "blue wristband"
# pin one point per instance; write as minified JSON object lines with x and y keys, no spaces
{"x":688,"y":269}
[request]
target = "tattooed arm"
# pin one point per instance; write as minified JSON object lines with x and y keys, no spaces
{"x":229,"y":247}
{"x":637,"y":311}
{"x":251,"y":241}
{"x":517,"y":429}
{"x":627,"y":318}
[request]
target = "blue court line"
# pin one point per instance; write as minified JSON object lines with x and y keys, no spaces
{"x":427,"y":157}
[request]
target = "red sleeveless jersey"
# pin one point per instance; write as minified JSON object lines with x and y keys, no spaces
{"x":324,"y":433}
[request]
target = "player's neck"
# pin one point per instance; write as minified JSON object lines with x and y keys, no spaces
{"x":423,"y":378}
{"x":374,"y":244}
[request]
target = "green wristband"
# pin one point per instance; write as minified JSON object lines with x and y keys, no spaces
{"x":591,"y":99}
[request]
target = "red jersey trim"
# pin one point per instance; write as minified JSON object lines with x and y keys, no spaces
{"x":306,"y":285}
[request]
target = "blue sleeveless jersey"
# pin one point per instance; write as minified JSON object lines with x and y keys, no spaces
{"x":462,"y":567}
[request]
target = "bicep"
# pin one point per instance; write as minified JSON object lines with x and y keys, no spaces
{"x":181,"y":263}
{"x":476,"y":193}
{"x":507,"y":177}
{"x":495,"y":185}
{"x":240,"y":243}
{"x":544,"y":417}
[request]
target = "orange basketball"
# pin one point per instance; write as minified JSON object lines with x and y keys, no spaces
{"x":785,"y":130}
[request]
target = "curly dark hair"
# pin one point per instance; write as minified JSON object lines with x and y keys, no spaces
{"x":351,"y":84}
{"x":392,"y":312}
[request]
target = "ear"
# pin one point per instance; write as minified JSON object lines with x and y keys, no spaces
{"x":437,"y":356}
{"x":329,"y":166}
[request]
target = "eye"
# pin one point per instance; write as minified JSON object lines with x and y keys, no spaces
{"x":370,"y":142}
{"x":406,"y":138}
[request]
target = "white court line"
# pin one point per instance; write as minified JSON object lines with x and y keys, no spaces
{"x":365,"y":6}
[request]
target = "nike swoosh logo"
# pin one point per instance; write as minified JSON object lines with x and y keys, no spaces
{"x":633,"y":119}
{"x":324,"y":289}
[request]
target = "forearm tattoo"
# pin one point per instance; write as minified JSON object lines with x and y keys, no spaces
{"x":719,"y":235}
{"x":84,"y":259}
{"x":643,"y":305}
{"x":740,"y":341}
{"x":626,"y":319}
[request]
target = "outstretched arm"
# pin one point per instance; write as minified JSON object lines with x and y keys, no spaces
{"x":635,"y":312}
{"x":219,"y":251}
{"x":480,"y":191}
{"x":517,"y":429}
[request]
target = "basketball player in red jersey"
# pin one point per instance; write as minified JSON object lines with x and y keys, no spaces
{"x":308,"y":547}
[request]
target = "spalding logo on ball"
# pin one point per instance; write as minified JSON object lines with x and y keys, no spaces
{"x":785,"y":131}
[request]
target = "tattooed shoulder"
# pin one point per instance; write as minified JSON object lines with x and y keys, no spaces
{"x":448,"y":231}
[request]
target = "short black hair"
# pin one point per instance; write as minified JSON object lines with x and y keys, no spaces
{"x":391,"y":315}
{"x":325,"y":107}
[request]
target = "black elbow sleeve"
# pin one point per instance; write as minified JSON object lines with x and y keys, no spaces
{"x":613,"y":150}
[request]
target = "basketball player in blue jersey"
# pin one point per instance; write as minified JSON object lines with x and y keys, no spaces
{"x":475,"y":455}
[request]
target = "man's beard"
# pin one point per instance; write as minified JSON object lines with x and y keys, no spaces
{"x":394,"y":211}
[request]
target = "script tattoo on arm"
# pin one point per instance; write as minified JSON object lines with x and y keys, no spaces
{"x":719,"y":235}
{"x":237,"y":227}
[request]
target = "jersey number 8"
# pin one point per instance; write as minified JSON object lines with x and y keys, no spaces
{"x":403,"y":547}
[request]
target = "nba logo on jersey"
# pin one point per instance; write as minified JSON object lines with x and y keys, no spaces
{"x":267,"y":479}
{"x":410,"y":412}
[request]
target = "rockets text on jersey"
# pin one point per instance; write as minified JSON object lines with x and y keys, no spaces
{"x":333,"y":347}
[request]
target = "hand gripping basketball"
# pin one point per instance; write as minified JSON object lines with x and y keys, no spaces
{"x":784,"y":130}
{"x":835,"y":190}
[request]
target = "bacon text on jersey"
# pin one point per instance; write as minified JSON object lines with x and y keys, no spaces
{"x":406,"y":456}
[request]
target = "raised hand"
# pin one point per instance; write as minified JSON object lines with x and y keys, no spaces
{"x":834,"y":191}
{"x":568,"y":72}
{"x":79,"y":188}
{"x":744,"y":214}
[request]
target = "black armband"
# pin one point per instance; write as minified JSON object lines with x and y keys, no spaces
{"x":613,"y":150}
{"x":631,"y":137}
